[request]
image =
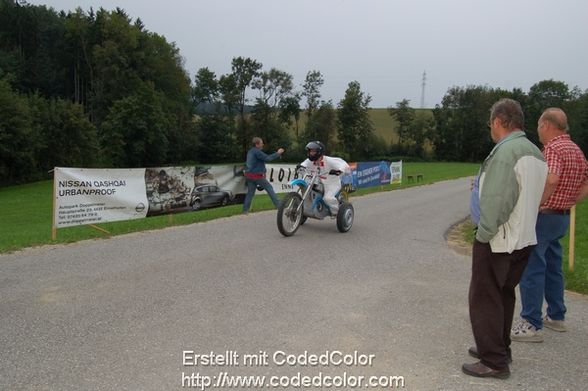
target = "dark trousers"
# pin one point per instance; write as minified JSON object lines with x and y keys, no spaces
{"x":492,"y":300}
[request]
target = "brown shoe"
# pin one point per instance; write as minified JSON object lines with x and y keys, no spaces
{"x":480,"y":370}
{"x":473,"y":351}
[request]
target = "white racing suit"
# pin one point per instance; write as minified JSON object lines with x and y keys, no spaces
{"x":332,"y":183}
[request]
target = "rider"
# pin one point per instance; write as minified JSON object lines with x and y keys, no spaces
{"x":317,"y":161}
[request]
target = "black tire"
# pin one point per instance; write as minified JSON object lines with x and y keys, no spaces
{"x":303,"y":219}
{"x":225,"y":201}
{"x":289,"y":214}
{"x":345,"y":217}
{"x":196,"y":204}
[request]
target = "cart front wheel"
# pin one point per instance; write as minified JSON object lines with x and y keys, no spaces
{"x":290,"y":214}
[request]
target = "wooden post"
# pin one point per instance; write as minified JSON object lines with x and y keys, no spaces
{"x":97,"y":228}
{"x":572,"y":237}
{"x":53,"y":222}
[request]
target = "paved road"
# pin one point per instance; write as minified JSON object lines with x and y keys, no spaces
{"x":117,"y":314}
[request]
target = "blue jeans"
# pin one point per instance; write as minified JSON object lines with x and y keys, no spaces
{"x":543,"y":275}
{"x":252,"y":186}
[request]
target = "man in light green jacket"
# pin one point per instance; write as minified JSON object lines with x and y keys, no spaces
{"x":511,"y":182}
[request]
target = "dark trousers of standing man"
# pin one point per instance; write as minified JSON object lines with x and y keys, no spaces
{"x":492,"y":300}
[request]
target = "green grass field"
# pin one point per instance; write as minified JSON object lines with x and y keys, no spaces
{"x":578,"y":279}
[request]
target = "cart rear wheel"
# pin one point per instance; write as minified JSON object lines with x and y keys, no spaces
{"x":345,"y":217}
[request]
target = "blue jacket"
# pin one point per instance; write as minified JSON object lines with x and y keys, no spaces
{"x":256,"y":159}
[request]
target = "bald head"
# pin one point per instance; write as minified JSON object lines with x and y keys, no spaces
{"x":552,"y":123}
{"x":556,"y":117}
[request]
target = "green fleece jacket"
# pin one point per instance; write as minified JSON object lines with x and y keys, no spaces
{"x":512,"y":179}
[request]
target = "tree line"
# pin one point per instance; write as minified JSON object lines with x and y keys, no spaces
{"x":97,"y":89}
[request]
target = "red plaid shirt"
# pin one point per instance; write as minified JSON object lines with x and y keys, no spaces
{"x":566,"y":160}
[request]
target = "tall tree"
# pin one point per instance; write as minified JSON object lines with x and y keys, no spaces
{"x":18,"y":141}
{"x":578,"y":121}
{"x":273,"y":86}
{"x":311,"y":90}
{"x":77,"y":59}
{"x":322,"y":125}
{"x":229,"y":92}
{"x":544,"y":94}
{"x":117,"y":41}
{"x":135,"y":133}
{"x":404,"y":115}
{"x":218,"y":139}
{"x":244,"y":70}
{"x":354,"y":125}
{"x":461,"y":123}
{"x":206,"y":87}
{"x":290,"y":108}
{"x":30,"y":40}
{"x":68,"y":137}
{"x":421,"y":129}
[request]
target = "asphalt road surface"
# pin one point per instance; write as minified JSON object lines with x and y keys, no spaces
{"x":193,"y":307}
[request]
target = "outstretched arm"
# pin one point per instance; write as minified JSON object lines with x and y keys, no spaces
{"x":268,"y":158}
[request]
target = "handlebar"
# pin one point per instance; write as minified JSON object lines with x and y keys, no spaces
{"x":300,"y":167}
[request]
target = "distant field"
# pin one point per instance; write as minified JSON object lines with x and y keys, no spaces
{"x":385,"y":126}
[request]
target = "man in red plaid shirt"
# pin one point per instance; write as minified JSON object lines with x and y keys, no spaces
{"x":566,"y":185}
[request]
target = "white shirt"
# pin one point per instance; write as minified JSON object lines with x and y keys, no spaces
{"x":326,"y":164}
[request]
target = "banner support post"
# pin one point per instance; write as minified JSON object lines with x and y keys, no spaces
{"x":53,"y":226}
{"x":97,"y":228}
{"x":572,"y":237}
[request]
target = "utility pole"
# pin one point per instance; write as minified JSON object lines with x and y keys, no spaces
{"x":423,"y":89}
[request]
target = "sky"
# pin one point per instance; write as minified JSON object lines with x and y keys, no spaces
{"x":385,"y":45}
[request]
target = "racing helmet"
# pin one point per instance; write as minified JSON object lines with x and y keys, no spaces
{"x":318,"y":147}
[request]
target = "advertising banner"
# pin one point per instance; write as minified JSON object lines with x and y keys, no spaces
{"x":177,"y":189}
{"x":396,"y":173}
{"x":90,"y":196}
{"x":370,"y":174}
{"x":280,"y":175}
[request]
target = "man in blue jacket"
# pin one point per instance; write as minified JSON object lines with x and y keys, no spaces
{"x":255,"y":173}
{"x":511,"y":182}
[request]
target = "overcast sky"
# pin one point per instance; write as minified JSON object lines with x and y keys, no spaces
{"x":385,"y":45}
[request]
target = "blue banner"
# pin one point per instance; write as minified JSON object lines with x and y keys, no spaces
{"x":369,"y":174}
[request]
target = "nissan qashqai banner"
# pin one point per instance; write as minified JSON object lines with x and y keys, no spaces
{"x":91,"y":196}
